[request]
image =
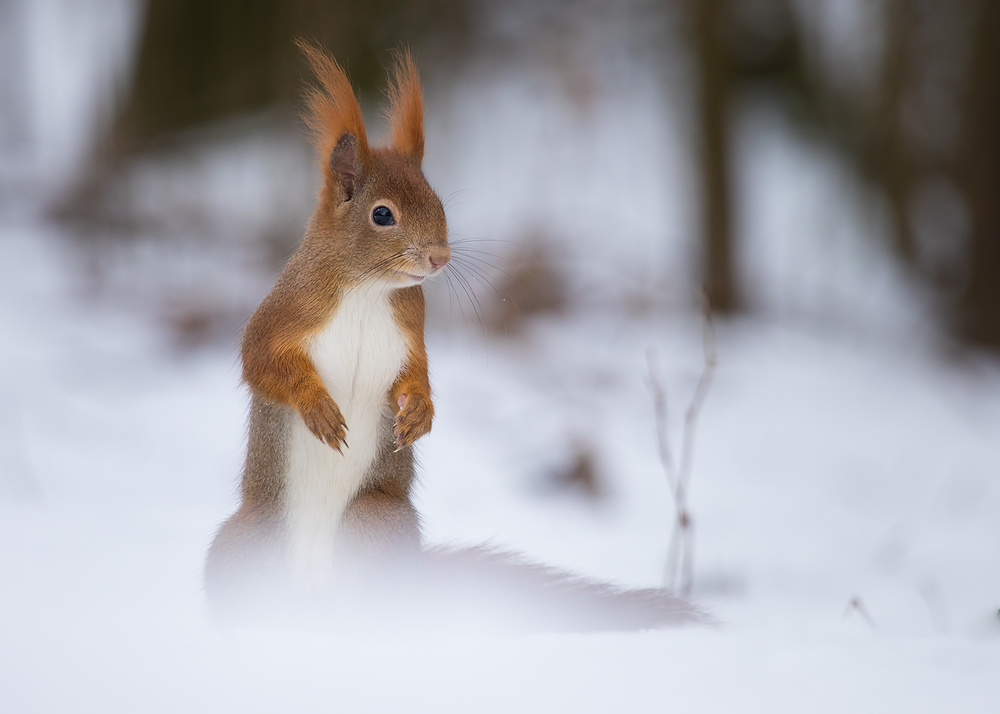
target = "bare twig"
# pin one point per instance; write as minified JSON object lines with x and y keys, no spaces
{"x":856,"y":605}
{"x":680,"y":556}
{"x":936,"y":607}
{"x":700,"y":391}
{"x":660,"y":411}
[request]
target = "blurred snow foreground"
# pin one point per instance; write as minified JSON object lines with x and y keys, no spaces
{"x":844,"y":497}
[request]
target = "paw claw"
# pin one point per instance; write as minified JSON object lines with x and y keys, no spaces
{"x":413,"y":419}
{"x":324,"y":420}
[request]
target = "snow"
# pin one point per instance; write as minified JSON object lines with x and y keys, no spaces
{"x":826,"y":468}
{"x":845,"y":454}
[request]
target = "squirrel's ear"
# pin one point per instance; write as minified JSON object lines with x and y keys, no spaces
{"x":406,"y":107}
{"x":345,"y":164}
{"x":335,"y":119}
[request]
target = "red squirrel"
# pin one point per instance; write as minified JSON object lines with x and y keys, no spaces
{"x":335,"y":362}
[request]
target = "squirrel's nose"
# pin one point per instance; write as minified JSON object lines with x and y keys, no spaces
{"x":439,"y":257}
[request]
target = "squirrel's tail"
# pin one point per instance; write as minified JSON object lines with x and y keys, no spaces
{"x":431,"y":592}
{"x":509,"y":591}
{"x":480,"y":589}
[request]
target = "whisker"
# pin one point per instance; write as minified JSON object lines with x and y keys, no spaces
{"x":483,"y":279}
{"x":462,"y":247}
{"x":379,"y":267}
{"x":481,"y":261}
{"x":454,"y":194}
{"x":370,"y":277}
{"x":458,"y":298}
{"x":451,"y":297}
{"x":464,"y":238}
{"x":474,"y":301}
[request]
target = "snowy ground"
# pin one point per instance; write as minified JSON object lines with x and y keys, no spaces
{"x":855,"y":462}
{"x":828,"y":467}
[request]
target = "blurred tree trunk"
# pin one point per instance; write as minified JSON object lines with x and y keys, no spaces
{"x":200,"y":62}
{"x":979,"y":175}
{"x":203,"y":63}
{"x":15,"y":131}
{"x":891,"y":154}
{"x":713,"y":92}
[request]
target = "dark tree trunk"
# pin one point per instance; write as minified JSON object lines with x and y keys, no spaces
{"x":979,"y":174}
{"x":713,"y":87}
{"x":893,"y":159}
{"x":201,"y":62}
{"x":15,"y":121}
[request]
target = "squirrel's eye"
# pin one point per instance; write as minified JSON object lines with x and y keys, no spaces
{"x":383,"y":216}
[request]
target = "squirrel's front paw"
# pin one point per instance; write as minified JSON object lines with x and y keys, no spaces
{"x":413,"y":419}
{"x":323,"y":418}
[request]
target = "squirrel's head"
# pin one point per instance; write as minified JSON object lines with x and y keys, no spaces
{"x":376,"y":209}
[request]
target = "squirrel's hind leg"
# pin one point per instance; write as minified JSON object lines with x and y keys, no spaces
{"x":243,"y":565}
{"x":380,"y":526}
{"x":380,"y":523}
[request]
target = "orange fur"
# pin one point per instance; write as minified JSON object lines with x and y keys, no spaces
{"x":406,"y":107}
{"x":275,"y":360}
{"x":333,"y":109}
{"x":415,"y":415}
{"x":341,"y":247}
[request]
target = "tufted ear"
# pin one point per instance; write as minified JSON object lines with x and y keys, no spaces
{"x":345,"y":164}
{"x":406,"y":107}
{"x":338,"y":129}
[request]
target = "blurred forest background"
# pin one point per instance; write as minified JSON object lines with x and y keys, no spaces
{"x":829,"y":170}
{"x":163,"y":136}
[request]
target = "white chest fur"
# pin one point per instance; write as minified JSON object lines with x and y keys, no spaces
{"x":358,"y":355}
